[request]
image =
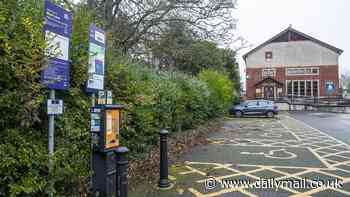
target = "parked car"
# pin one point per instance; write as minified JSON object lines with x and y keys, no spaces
{"x":255,"y":107}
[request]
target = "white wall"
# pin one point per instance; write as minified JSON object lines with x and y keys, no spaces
{"x":294,"y":54}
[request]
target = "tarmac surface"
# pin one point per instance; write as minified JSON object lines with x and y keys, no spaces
{"x":265,"y":157}
{"x":334,"y":124}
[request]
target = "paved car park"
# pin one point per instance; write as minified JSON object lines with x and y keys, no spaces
{"x":250,"y":150}
{"x":334,"y":124}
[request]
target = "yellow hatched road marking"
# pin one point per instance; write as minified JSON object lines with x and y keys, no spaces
{"x":312,"y":140}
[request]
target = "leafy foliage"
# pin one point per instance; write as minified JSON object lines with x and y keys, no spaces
{"x":221,"y":89}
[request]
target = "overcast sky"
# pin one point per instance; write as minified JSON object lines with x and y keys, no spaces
{"x":326,"y":20}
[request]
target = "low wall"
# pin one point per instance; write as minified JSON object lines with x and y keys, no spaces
{"x":336,"y":109}
{"x":285,"y":106}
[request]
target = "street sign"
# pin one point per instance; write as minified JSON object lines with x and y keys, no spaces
{"x":96,"y":59}
{"x":330,"y":87}
{"x":57,"y":29}
{"x":54,"y":107}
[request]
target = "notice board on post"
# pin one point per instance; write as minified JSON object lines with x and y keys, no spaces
{"x":57,"y":30}
{"x":96,"y":68}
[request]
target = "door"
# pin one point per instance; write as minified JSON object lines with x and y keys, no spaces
{"x":268,"y":92}
{"x":251,"y":107}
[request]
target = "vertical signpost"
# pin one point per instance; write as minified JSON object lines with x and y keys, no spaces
{"x":57,"y":30}
{"x":105,"y":125}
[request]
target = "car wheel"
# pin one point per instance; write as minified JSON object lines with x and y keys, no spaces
{"x":270,"y":114}
{"x":238,"y":114}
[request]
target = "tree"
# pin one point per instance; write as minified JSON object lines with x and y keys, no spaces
{"x":134,"y":22}
{"x":345,"y":84}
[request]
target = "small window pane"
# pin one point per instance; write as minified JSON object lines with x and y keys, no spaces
{"x":295,"y":87}
{"x":315,"y":88}
{"x":302,"y":88}
{"x":289,"y":88}
{"x":308,"y":88}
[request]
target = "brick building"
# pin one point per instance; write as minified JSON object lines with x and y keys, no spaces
{"x":292,"y":63}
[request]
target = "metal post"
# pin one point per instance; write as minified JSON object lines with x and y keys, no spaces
{"x":93,"y":101}
{"x":51,"y":141}
{"x":122,"y":171}
{"x":163,"y":175}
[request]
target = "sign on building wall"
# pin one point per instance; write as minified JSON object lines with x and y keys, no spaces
{"x":57,"y":29}
{"x":270,"y":72}
{"x":96,"y":59}
{"x":302,"y":71}
{"x":330,"y":87}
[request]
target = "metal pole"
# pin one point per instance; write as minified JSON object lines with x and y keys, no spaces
{"x":93,"y":98}
{"x":91,"y":146}
{"x":122,"y":171}
{"x":51,"y":141}
{"x":163,"y":174}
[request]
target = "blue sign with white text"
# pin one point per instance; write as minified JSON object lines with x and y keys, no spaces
{"x":330,"y":87}
{"x":57,"y":29}
{"x":96,"y":69}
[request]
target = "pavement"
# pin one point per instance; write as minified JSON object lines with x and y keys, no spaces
{"x":283,"y":156}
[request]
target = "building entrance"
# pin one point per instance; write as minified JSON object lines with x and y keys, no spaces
{"x":269,"y":92}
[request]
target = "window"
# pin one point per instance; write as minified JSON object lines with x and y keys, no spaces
{"x":308,"y":88}
{"x":289,"y":88}
{"x":315,"y":88}
{"x":302,"y":88}
{"x":251,"y":103}
{"x":261,"y":103}
{"x":295,"y":88}
{"x":268,"y":55}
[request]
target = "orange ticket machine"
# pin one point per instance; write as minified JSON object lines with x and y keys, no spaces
{"x":105,"y":127}
{"x":105,"y":132}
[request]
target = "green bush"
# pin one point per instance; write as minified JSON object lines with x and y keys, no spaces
{"x":154,"y":100}
{"x":221,"y":90}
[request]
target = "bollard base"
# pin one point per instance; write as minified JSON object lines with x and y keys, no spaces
{"x":164,"y":183}
{"x":168,"y":187}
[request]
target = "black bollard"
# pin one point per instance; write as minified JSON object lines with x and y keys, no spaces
{"x":163,"y":180}
{"x":122,"y":171}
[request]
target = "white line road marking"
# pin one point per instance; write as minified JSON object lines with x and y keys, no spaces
{"x":339,"y":141}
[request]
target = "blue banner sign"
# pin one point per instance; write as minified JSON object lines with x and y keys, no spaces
{"x":57,"y":29}
{"x":97,"y":42}
{"x":330,"y":87}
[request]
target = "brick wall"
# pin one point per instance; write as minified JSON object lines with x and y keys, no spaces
{"x":326,"y":73}
{"x":330,"y":73}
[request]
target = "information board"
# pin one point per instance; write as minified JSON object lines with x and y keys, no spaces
{"x":57,"y":29}
{"x":330,"y":87}
{"x":96,"y":59}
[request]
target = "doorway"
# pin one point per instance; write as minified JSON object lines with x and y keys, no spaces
{"x":269,"y":92}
